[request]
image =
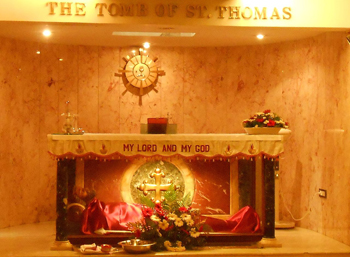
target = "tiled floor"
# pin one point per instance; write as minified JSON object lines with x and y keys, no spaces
{"x":37,"y":239}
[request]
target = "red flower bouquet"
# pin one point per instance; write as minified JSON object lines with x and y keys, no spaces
{"x":172,"y":224}
{"x":265,"y":119}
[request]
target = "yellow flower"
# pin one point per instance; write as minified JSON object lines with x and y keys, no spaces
{"x":190,"y":222}
{"x":194,"y":233}
{"x":155,"y":218}
{"x":185,"y":216}
{"x":178,"y":222}
{"x":167,"y":243}
{"x":163,"y":224}
{"x":172,"y":216}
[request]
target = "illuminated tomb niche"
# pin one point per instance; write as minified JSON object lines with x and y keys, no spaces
{"x":208,"y":182}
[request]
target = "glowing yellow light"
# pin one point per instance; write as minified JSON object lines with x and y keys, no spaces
{"x":260,"y":36}
{"x":47,"y":33}
{"x":146,"y":45}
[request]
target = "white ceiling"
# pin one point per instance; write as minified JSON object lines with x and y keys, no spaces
{"x":101,"y":34}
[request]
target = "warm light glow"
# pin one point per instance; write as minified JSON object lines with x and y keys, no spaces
{"x":38,"y":52}
{"x":260,"y":36}
{"x":146,"y":45}
{"x":60,"y":59}
{"x":47,"y":33}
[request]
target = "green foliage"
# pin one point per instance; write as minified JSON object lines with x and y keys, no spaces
{"x":147,"y":201}
{"x":170,"y":195}
{"x":186,"y":201}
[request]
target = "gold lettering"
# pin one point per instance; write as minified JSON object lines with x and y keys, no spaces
{"x":52,"y":6}
{"x":142,"y":10}
{"x":201,"y":10}
{"x":275,"y":14}
{"x":113,"y":9}
{"x":160,"y":10}
{"x":80,"y":9}
{"x":172,"y":9}
{"x":244,"y":15}
{"x":100,"y":6}
{"x":222,"y":9}
{"x":127,"y":10}
{"x":260,"y":14}
{"x":288,"y":13}
{"x":234,"y":11}
{"x":67,"y":8}
{"x":190,"y":11}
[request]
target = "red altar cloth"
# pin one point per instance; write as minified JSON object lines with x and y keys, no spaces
{"x":246,"y":220}
{"x":112,"y":216}
{"x":116,"y":216}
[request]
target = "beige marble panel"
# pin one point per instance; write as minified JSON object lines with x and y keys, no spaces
{"x":196,"y":96}
{"x":171,"y":61}
{"x":5,"y":113}
{"x":49,"y":121}
{"x":88,"y":91}
{"x":109,"y":87}
{"x":216,"y":67}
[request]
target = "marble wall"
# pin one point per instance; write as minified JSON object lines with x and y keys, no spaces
{"x":205,"y":90}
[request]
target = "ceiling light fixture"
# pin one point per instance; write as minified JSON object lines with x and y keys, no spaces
{"x":136,"y":34}
{"x":146,"y":45}
{"x":181,"y":34}
{"x":152,"y":34}
{"x":47,"y":33}
{"x":260,"y":36}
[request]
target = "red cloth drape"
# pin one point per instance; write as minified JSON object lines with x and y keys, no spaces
{"x":111,"y":216}
{"x":246,"y":220}
{"x":115,"y":216}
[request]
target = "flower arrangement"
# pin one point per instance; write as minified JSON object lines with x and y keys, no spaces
{"x":265,"y":119}
{"x":172,"y":224}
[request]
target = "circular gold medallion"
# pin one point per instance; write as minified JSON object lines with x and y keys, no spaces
{"x":140,"y":74}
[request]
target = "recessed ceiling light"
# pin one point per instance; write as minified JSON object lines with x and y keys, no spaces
{"x":47,"y":33}
{"x":146,"y":45}
{"x":38,"y":52}
{"x":260,"y":36}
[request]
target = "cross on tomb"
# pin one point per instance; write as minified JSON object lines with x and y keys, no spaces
{"x":157,"y":187}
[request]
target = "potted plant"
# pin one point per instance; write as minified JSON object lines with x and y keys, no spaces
{"x":265,"y":122}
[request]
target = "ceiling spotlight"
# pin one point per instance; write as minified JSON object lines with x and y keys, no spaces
{"x":146,"y":45}
{"x":260,"y":36}
{"x":37,"y":52}
{"x":47,"y":33}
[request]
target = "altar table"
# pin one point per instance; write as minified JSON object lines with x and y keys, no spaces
{"x":68,"y":149}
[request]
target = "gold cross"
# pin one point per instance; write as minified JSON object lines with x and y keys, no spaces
{"x":157,"y":187}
